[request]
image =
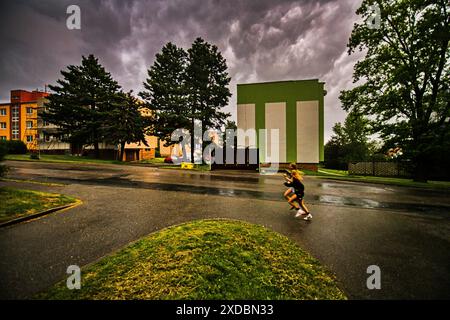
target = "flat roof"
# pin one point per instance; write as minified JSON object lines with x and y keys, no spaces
{"x":279,"y":81}
{"x":26,"y":102}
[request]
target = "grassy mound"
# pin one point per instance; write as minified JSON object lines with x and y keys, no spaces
{"x":17,"y":203}
{"x":207,"y":259}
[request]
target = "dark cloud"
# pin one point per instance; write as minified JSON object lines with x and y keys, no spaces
{"x":262,"y":40}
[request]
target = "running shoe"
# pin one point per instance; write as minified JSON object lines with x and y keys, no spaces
{"x":299,"y":213}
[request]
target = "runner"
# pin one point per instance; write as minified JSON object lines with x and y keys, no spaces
{"x":288,"y":175}
{"x":299,"y":192}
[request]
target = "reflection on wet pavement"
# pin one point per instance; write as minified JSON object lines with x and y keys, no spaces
{"x":362,"y":188}
{"x":372,"y":204}
{"x":261,"y":194}
{"x":245,"y":186}
{"x":358,"y":202}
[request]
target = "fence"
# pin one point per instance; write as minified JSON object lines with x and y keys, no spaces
{"x":379,"y":168}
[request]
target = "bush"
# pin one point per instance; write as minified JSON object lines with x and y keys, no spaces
{"x":14,"y":146}
{"x":3,"y":170}
{"x":336,"y":164}
{"x":3,"y":150}
{"x":34,"y":156}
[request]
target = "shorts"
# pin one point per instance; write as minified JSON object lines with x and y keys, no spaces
{"x":300,"y":195}
{"x":291,"y":190}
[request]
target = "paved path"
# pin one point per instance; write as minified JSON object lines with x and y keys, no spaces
{"x":405,"y":231}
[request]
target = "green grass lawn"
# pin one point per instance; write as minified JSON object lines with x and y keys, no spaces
{"x":398,"y":182}
{"x":61,"y":159}
{"x":197,"y":167}
{"x":153,"y":161}
{"x":205,"y":259}
{"x":333,"y":172}
{"x":16,"y":203}
{"x":343,"y":175}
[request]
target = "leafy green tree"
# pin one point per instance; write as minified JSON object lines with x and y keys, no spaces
{"x":350,"y":142}
{"x":334,"y":154}
{"x":207,"y":83}
{"x":404,"y":79}
{"x":81,"y":101}
{"x":165,"y":93}
{"x":125,"y":122}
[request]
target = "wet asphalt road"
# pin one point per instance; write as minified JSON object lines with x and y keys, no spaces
{"x":404,"y":231}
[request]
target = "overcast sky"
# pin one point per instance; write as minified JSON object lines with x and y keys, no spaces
{"x":262,"y":40}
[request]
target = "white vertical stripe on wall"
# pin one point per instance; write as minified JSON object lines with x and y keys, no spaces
{"x":276,"y":119}
{"x":245,"y":121}
{"x":308,"y":131}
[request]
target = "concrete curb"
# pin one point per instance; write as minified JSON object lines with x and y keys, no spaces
{"x":38,"y":214}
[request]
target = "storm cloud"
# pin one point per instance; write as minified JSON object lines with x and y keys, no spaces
{"x":262,"y":40}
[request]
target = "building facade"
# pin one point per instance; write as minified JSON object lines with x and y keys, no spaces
{"x":295,"y":108}
{"x":19,"y":117}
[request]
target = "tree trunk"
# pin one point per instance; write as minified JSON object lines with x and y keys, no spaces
{"x":192,"y":140}
{"x":420,"y":169}
{"x":184,"y":151}
{"x":203,"y":143}
{"x":96,"y":150}
{"x":122,"y":150}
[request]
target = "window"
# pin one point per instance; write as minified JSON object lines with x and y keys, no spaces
{"x":2,"y":137}
{"x":15,"y":113}
{"x":3,"y":112}
{"x":29,"y":110}
{"x":29,"y":138}
{"x":15,"y":130}
{"x":29,"y":124}
{"x":2,"y":125}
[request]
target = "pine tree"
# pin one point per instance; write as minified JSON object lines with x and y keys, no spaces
{"x":81,"y":101}
{"x":184,"y":87}
{"x":207,"y":83}
{"x":165,"y":93}
{"x":125,"y":123}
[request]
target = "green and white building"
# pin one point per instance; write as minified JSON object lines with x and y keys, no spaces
{"x":295,"y":108}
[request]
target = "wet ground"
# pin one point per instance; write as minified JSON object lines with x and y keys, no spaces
{"x":405,"y":231}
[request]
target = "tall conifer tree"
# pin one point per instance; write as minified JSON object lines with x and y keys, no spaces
{"x":81,"y":101}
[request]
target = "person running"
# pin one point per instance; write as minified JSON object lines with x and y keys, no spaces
{"x":297,"y":198}
{"x":288,"y":175}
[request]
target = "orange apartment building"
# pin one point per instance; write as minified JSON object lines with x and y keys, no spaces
{"x":19,"y":120}
{"x":19,"y":117}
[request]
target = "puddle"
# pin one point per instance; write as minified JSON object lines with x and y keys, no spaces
{"x":345,"y":201}
{"x":363,"y":188}
{"x":441,"y":210}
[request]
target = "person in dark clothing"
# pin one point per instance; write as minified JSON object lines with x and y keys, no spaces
{"x":288,"y":175}
{"x":296,"y":200}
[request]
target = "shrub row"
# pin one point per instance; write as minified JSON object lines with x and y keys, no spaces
{"x":13,"y":146}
